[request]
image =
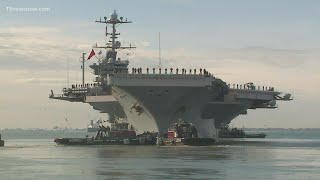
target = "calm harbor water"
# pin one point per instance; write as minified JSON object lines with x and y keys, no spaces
{"x":285,"y":154}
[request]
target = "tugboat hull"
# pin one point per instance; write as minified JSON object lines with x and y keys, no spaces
{"x":138,"y":140}
{"x":87,"y":141}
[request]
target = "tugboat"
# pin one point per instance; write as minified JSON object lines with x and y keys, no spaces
{"x":118,"y":134}
{"x":184,"y":133}
{"x":226,"y":132}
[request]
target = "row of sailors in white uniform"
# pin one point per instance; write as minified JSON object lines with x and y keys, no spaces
{"x":183,"y":71}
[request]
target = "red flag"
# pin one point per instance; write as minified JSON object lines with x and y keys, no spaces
{"x":92,"y":53}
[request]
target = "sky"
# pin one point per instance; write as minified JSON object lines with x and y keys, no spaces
{"x":268,"y":42}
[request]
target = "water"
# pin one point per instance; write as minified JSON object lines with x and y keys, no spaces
{"x":285,"y":154}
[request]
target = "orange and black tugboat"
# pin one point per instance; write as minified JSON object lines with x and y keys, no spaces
{"x":184,"y":133}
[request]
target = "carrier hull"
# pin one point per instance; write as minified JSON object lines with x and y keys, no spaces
{"x":153,"y":98}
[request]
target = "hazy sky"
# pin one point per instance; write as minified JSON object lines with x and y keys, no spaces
{"x":268,"y":42}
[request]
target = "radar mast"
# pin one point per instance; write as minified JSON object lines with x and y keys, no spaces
{"x":113,"y":22}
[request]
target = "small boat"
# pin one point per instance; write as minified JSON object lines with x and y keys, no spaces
{"x":226,"y":132}
{"x":257,"y":135}
{"x":118,"y":134}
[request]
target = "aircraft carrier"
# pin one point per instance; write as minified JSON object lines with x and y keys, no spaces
{"x":152,"y":99}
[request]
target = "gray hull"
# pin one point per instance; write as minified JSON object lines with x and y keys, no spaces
{"x":156,"y":108}
{"x":152,"y":108}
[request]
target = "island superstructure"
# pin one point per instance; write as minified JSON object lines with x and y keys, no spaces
{"x":152,"y":99}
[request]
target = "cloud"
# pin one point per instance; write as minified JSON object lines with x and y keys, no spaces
{"x":176,"y":57}
{"x":32,"y":30}
{"x":41,"y":80}
{"x":144,"y":44}
{"x":47,"y":52}
{"x":289,"y":70}
{"x":284,"y":58}
{"x":47,"y":48}
{"x":37,"y":48}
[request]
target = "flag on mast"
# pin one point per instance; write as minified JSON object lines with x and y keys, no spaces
{"x":92,"y":53}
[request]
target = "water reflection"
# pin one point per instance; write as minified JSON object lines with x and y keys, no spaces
{"x":219,"y":161}
{"x":270,"y":142}
{"x":161,"y":162}
{"x":231,"y":159}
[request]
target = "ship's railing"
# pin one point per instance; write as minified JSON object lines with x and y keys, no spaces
{"x":67,"y":97}
{"x":75,"y":90}
{"x":162,"y":71}
{"x":85,"y":86}
{"x":250,"y":86}
{"x":97,"y":94}
{"x":79,"y":88}
{"x":77,"y":93}
{"x":87,"y":89}
{"x":160,"y":76}
{"x":73,"y":95}
{"x":56,"y":95}
{"x":183,"y":71}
